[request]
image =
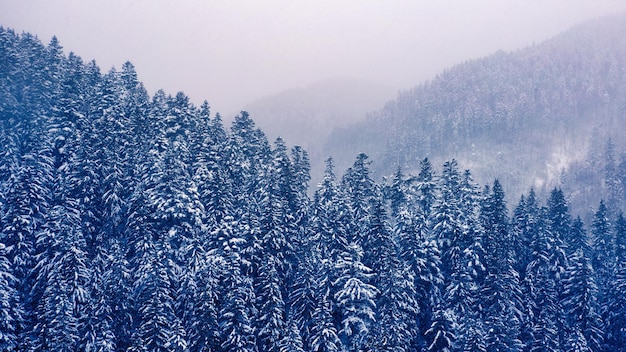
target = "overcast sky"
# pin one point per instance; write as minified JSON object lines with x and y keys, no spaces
{"x":234,"y":52}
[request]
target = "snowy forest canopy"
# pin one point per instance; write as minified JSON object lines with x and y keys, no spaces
{"x":131,"y":223}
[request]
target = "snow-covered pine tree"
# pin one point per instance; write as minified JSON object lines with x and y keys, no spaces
{"x":97,"y":322}
{"x":426,"y":187}
{"x":542,"y":288}
{"x":359,"y":188}
{"x":11,"y":309}
{"x":236,"y":304}
{"x":501,"y":295}
{"x":585,"y":328}
{"x":354,"y":298}
{"x":396,"y":308}
{"x":304,"y":290}
{"x":62,"y":281}
{"x":211,"y":175}
{"x":440,"y":336}
{"x":157,"y":327}
{"x":446,"y":220}
{"x":579,"y":238}
{"x":271,"y":322}
{"x":603,"y":256}
{"x":26,"y":196}
{"x":323,"y":333}
{"x":421,"y":255}
{"x":332,"y":220}
{"x":396,"y":194}
{"x":620,"y":239}
{"x":615,"y":320}
{"x":559,"y":226}
{"x":292,"y":342}
{"x":614,"y":301}
{"x":522,"y":225}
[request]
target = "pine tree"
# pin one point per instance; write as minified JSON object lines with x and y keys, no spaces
{"x":501,"y":294}
{"x":302,"y":208}
{"x":236,"y":307}
{"x":332,"y":220}
{"x":305,"y":289}
{"x":559,"y":225}
{"x":542,"y":282}
{"x":559,"y":219}
{"x":62,"y":281}
{"x":440,"y":335}
{"x":277,"y":229}
{"x":249,"y":150}
{"x":197,"y":290}
{"x":164,"y":217}
{"x":158,"y":328}
{"x":26,"y":197}
{"x":279,"y":223}
{"x":97,"y":321}
{"x":423,"y":260}
{"x":620,"y":238}
{"x":580,"y":303}
{"x":445,"y":221}
{"x":112,"y":149}
{"x":323,"y":334}
{"x":292,"y":342}
{"x":201,"y":315}
{"x":396,"y":308}
{"x":154,"y":311}
{"x":604,"y":247}
{"x":118,"y":291}
{"x":579,"y":240}
{"x":211,"y":174}
{"x":354,"y":298}
{"x":524,"y":223}
{"x":359,"y":188}
{"x":11,"y":310}
{"x":395,"y":193}
{"x":614,"y":301}
{"x":615,"y":320}
{"x":9,"y":59}
{"x":612,"y":181}
{"x":426,"y":187}
{"x":272,"y":321}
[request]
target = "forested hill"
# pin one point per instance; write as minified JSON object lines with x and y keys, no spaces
{"x":523,"y":117}
{"x":137,"y":223}
{"x":308,"y":115}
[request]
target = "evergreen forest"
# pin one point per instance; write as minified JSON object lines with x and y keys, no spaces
{"x":549,"y":115}
{"x":131,"y":222}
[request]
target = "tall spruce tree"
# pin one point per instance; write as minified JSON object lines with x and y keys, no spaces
{"x":354,"y":299}
{"x":359,"y":189}
{"x":585,"y":329}
{"x":501,"y":295}
{"x":396,"y":307}
{"x":615,"y":319}
{"x":422,"y":257}
{"x":10,"y":306}
{"x":603,"y":257}
{"x":323,"y":333}
{"x":426,"y":187}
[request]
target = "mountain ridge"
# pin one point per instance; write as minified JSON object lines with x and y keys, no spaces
{"x":527,"y":108}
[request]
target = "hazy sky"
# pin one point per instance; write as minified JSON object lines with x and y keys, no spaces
{"x":233,"y":52}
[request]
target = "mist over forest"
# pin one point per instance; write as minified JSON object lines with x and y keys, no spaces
{"x":479,"y":211}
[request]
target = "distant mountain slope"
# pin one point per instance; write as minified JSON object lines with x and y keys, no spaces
{"x":308,"y":115}
{"x":522,"y":117}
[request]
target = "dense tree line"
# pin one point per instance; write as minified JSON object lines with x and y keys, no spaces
{"x":137,"y":223}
